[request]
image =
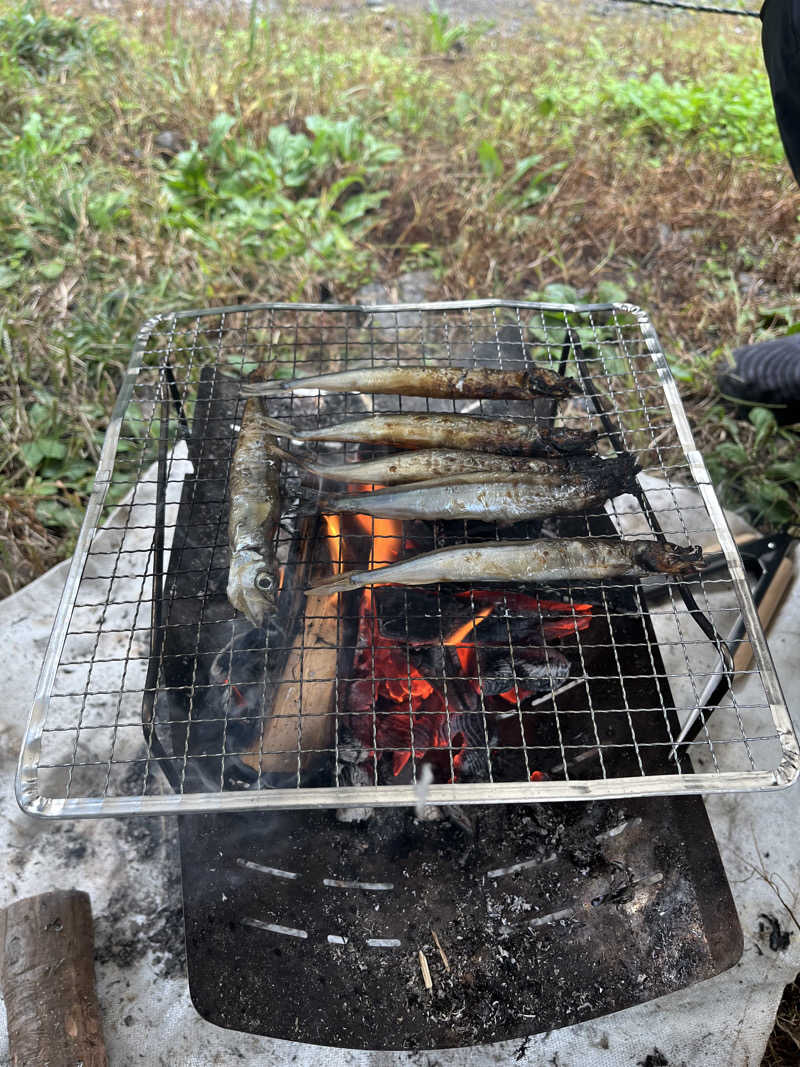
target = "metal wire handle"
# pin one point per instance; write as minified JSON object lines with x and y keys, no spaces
{"x":681,"y":6}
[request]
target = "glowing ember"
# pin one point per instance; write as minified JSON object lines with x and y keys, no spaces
{"x":402,"y":699}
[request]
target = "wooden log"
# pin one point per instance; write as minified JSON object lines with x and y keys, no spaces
{"x":302,"y":713}
{"x":48,"y":982}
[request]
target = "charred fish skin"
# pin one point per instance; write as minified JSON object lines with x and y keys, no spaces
{"x":254,"y":495}
{"x":438,"y":382}
{"x":501,"y":498}
{"x":545,"y":560}
{"x":425,"y":464}
{"x":444,"y":430}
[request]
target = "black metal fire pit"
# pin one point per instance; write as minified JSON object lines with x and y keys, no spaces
{"x":484,"y":924}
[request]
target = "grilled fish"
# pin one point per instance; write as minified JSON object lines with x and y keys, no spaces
{"x":254,"y":494}
{"x":547,"y":560}
{"x":426,"y":464}
{"x":443,"y":382}
{"x":444,"y":430}
{"x":502,"y":498}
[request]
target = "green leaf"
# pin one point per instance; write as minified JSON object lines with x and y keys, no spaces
{"x":730,"y":452}
{"x":218,"y":130}
{"x":7,"y":277}
{"x":765,"y":424}
{"x":52,"y":269}
{"x":31,"y":454}
{"x":491,"y":163}
{"x":559,"y":293}
{"x":786,"y":470}
{"x":51,"y":447}
{"x":608,"y":292}
{"x":682,"y":373}
{"x":524,"y":165}
{"x":53,"y":513}
{"x":358,"y":206}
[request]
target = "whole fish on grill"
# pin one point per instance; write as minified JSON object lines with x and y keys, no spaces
{"x":534,"y":670}
{"x":441,"y":382}
{"x":425,"y":464}
{"x":501,"y":498}
{"x":254,"y":502}
{"x":546,"y":560}
{"x":443,"y":430}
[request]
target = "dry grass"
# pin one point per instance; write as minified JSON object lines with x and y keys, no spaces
{"x":665,"y":202}
{"x":783,"y":1048}
{"x":27,"y":548}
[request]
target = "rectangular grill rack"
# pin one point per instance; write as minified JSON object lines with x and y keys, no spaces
{"x":121,"y":721}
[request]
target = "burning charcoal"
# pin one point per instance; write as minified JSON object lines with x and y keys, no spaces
{"x":472,"y":762}
{"x":416,"y":615}
{"x":353,"y":769}
{"x":241,"y":661}
{"x":534,"y":670}
{"x":241,"y":668}
{"x":354,"y":774}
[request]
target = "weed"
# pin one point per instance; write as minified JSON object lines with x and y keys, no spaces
{"x":39,"y":43}
{"x":301,"y":196}
{"x":568,"y":166}
{"x":439,"y":34}
{"x":733,"y":113}
{"x":756,"y":467}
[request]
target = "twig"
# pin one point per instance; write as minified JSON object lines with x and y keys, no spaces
{"x":426,"y":972}
{"x":436,"y":942}
{"x":770,"y":879}
{"x":788,"y":1030}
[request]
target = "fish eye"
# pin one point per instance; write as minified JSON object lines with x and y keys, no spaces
{"x":265,"y":582}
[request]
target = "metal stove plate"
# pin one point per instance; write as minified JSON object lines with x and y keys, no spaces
{"x":84,"y":753}
{"x":302,"y":928}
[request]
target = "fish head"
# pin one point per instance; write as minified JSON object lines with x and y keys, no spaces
{"x":252,"y":586}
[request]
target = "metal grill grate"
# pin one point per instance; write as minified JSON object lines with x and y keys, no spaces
{"x":155,"y":697}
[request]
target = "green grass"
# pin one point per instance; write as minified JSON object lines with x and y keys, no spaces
{"x":300,"y":158}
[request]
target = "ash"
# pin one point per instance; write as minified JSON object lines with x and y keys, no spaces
{"x":547,"y":915}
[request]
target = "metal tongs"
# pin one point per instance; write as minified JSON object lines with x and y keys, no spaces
{"x":764,"y":559}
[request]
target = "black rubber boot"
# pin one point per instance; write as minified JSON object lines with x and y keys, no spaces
{"x":766,"y":373}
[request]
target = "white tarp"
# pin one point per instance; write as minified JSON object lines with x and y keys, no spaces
{"x":129,"y":867}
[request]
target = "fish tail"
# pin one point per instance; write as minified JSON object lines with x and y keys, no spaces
{"x":679,"y":560}
{"x":260,"y":380}
{"x":261,"y":388}
{"x":617,"y":475}
{"x":288,"y":457}
{"x":282,"y":429}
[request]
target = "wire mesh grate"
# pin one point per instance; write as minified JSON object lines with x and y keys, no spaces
{"x":157,"y":696}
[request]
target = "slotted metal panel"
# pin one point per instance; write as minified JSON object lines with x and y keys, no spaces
{"x":139,"y":708}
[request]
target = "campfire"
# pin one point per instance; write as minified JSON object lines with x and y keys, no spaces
{"x":434,"y":674}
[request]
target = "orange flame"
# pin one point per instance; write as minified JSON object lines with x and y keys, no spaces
{"x":458,"y":636}
{"x":387,"y":539}
{"x":334,"y":535}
